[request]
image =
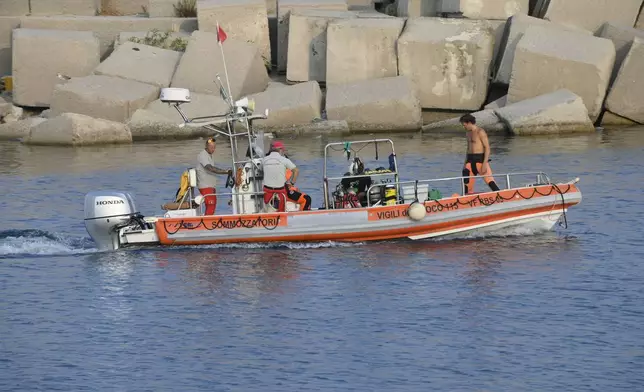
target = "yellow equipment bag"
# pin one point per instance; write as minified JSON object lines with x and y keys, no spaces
{"x":183,"y":186}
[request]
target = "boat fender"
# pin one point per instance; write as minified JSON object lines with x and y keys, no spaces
{"x":416,"y":211}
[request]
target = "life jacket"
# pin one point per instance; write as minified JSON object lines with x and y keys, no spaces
{"x":184,"y":184}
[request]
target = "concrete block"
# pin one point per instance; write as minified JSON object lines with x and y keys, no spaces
{"x":6,"y":105}
{"x":7,"y":24}
{"x":244,"y":20}
{"x":557,"y":112}
{"x":622,"y":38}
{"x":148,"y":125}
{"x":18,"y":129}
{"x":612,"y":119}
{"x":364,"y":4}
{"x":271,"y":7}
{"x":307,"y":43}
{"x":108,"y":28}
{"x":386,"y":104}
{"x":448,"y":59}
{"x":158,"y":120}
{"x":593,"y":16}
{"x":202,"y":61}
{"x":71,"y":129}
{"x":161,"y":8}
{"x":39,"y":56}
{"x":497,"y":104}
{"x":288,"y":106}
{"x":416,"y":8}
{"x":65,"y":7}
{"x":141,"y":35}
{"x":488,"y":9}
{"x":100,"y":96}
{"x":284,"y":8}
{"x":14,"y":7}
{"x":362,"y":49}
{"x":546,"y":60}
{"x":313,"y":129}
{"x":124,"y":7}
{"x":143,"y":63}
{"x":517,"y":26}
{"x":626,"y":97}
{"x":485,"y":119}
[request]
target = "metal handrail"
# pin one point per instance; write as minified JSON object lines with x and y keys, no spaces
{"x":325,"y":180}
{"x":444,"y":179}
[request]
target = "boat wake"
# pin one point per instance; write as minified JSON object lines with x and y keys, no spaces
{"x":32,"y":242}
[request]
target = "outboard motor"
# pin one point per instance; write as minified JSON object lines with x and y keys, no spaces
{"x":106,"y":213}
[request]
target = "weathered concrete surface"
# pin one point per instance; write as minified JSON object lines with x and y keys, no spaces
{"x":416,"y":8}
{"x":362,"y":49}
{"x":159,"y":120}
{"x":107,"y":97}
{"x":161,"y":8}
{"x":433,"y":116}
{"x":40,"y":55}
{"x":202,"y":61}
{"x":640,"y":20}
{"x":561,"y":111}
{"x":497,"y":104}
{"x":498,"y":29}
{"x":622,"y":38}
{"x":592,"y":16}
{"x":71,"y":129}
{"x":288,"y":106}
{"x":284,"y":8}
{"x":516,"y":28}
{"x":65,"y":7}
{"x":143,"y":63}
{"x":485,"y":119}
{"x":361,"y":4}
{"x":448,"y":59}
{"x":124,"y":7}
{"x":7,"y":24}
{"x":626,"y":97}
{"x":271,"y":7}
{"x":14,"y":7}
{"x":386,"y":104}
{"x":125,"y":37}
{"x":108,"y":28}
{"x":307,"y":43}
{"x":548,"y":60}
{"x":5,"y":106}
{"x":609,"y":118}
{"x":18,"y":129}
{"x":314,"y":128}
{"x":244,"y":20}
{"x":486,"y":9}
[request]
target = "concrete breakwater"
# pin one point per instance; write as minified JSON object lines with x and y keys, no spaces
{"x":89,"y":71}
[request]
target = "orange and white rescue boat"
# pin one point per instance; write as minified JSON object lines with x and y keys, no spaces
{"x":391,"y":209}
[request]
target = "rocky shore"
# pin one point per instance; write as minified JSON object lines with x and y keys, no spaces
{"x":79,"y":72}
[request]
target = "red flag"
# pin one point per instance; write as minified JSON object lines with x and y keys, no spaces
{"x":221,"y":35}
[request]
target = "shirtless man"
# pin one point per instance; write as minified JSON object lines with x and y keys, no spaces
{"x":478,"y":154}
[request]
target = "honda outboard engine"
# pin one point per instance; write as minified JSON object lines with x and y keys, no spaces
{"x":106,"y":213}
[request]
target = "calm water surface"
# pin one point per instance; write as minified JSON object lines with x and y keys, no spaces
{"x":558,"y":311}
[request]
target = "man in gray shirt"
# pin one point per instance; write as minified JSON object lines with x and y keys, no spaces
{"x":275,"y":165}
{"x":206,"y":179}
